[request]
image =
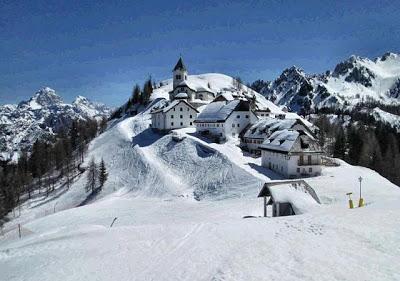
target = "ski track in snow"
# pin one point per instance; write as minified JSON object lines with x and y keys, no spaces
{"x":161,"y":233}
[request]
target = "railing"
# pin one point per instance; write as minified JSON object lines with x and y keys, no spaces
{"x":308,"y":163}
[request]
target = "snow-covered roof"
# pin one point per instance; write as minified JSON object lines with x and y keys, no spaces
{"x":181,"y":96}
{"x":169,"y":105}
{"x":298,"y":193}
{"x":294,"y":115}
{"x":266,"y":126}
{"x":196,"y":85}
{"x":225,"y":95}
{"x":220,"y":110}
{"x":291,"y":141}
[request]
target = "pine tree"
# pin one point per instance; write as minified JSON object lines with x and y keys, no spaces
{"x":147,"y":91}
{"x":136,"y":94}
{"x":92,"y":176}
{"x":103,"y":175}
{"x":339,"y":148}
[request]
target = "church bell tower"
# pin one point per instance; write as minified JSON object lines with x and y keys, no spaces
{"x":180,"y":72}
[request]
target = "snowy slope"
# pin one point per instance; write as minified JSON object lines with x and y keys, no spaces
{"x":182,"y":239}
{"x":180,"y":203}
{"x":40,"y":117}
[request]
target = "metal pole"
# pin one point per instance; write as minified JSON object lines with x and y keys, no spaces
{"x":113,"y":222}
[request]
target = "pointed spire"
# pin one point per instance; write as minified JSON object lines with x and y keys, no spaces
{"x":180,"y":65}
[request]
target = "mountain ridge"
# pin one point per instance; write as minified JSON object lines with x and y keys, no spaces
{"x":41,"y":116}
{"x":352,"y":81}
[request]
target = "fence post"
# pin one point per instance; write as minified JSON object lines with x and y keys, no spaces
{"x":19,"y":230}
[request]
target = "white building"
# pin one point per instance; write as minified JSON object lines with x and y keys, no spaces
{"x":292,"y":154}
{"x":197,"y":93}
{"x":264,"y":127}
{"x":174,"y":115}
{"x":225,"y":119}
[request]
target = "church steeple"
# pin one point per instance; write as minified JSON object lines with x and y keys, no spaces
{"x":180,"y":65}
{"x":180,"y":72}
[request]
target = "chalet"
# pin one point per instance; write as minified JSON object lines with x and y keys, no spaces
{"x":225,"y":119}
{"x":174,"y":115}
{"x":197,"y":93}
{"x":258,"y":132}
{"x":289,"y":197}
{"x":292,"y":153}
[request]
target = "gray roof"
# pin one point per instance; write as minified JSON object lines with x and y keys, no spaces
{"x":180,"y":65}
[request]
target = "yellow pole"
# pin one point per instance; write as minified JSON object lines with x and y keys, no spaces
{"x":351,"y":205}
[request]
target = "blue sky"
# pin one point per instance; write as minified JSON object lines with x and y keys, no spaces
{"x":100,"y":49}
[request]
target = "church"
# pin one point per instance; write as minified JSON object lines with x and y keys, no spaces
{"x":196,"y":93}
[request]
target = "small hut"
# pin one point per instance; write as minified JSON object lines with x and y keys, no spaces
{"x":289,"y":197}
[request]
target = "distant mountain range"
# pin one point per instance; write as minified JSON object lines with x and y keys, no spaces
{"x":351,"y":82}
{"x":41,"y":116}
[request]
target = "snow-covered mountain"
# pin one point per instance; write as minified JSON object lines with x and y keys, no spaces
{"x":352,"y":81}
{"x":40,"y":117}
{"x":178,"y":203}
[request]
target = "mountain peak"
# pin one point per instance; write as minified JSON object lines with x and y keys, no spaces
{"x":388,"y":55}
{"x":46,"y":97}
{"x":81,"y":100}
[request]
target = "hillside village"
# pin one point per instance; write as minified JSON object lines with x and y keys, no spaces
{"x":206,"y":180}
{"x":286,"y":142}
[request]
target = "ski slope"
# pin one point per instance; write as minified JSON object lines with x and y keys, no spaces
{"x":182,"y":239}
{"x":180,"y":203}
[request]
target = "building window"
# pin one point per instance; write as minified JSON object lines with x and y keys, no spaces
{"x":191,"y":124}
{"x":298,"y":170}
{"x":190,"y":116}
{"x":310,"y":170}
{"x":237,"y":116}
{"x":238,"y":125}
{"x":174,"y":108}
{"x":247,"y":116}
{"x":181,"y":109}
{"x":181,"y":116}
{"x":181,"y":124}
{"x":172,"y":116}
{"x":172,"y":123}
{"x":233,"y":125}
{"x":217,"y":125}
{"x":177,"y":77}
